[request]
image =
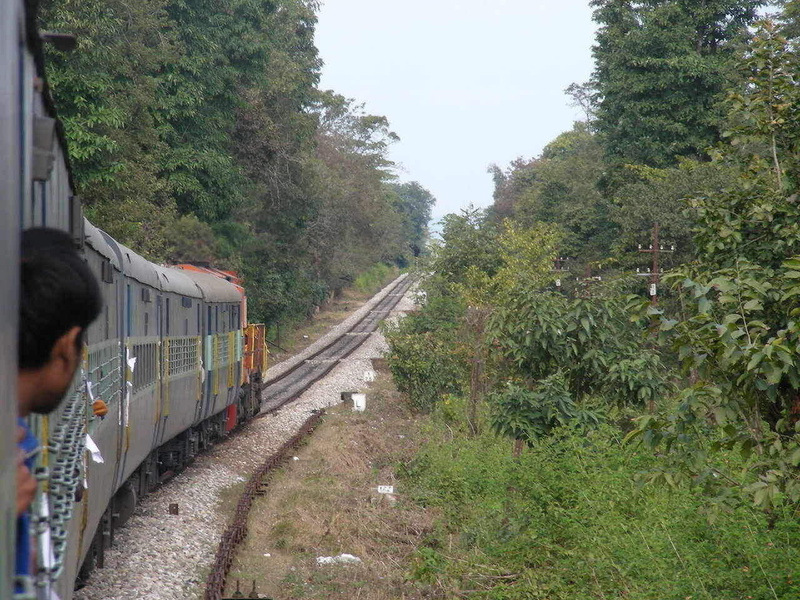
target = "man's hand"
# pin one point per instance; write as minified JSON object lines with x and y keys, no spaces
{"x":26,"y":482}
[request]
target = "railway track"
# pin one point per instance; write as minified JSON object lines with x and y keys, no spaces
{"x":278,"y":392}
{"x":287,"y":386}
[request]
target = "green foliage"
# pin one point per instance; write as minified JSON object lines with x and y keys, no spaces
{"x":736,"y":335}
{"x":107,"y":95}
{"x":527,"y":255}
{"x":356,"y":221}
{"x":650,"y":195}
{"x":425,"y":357}
{"x":566,"y":521}
{"x":661,"y":68}
{"x":414,"y":203}
{"x":739,"y":338}
{"x":527,"y":415}
{"x":590,"y":340}
{"x":191,"y":240}
{"x":187,"y":117}
{"x":481,"y":260}
{"x":560,"y":187}
{"x":764,"y":113}
{"x":374,"y":278}
{"x":469,"y":241}
{"x":425,"y":366}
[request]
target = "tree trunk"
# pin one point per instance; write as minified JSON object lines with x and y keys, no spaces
{"x":475,"y":388}
{"x":476,"y":319}
{"x":518,"y":446}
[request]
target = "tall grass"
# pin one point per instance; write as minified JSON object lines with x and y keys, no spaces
{"x":374,"y":278}
{"x":566,"y":521}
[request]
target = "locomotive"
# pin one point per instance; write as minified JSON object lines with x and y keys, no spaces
{"x":172,"y":355}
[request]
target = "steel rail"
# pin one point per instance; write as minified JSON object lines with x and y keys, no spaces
{"x":313,"y":356}
{"x":236,"y":532}
{"x":317,"y":365}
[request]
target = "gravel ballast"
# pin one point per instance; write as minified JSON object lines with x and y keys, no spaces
{"x":159,"y":556}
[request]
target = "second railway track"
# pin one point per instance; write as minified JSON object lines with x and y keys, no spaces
{"x":285,"y":387}
{"x":279,"y":391}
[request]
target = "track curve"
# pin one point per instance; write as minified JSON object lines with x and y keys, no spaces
{"x":289,"y":385}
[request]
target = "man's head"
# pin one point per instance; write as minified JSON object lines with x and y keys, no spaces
{"x":59,"y":298}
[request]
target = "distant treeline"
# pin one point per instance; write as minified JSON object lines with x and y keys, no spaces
{"x":197,"y":132}
{"x":663,"y":106}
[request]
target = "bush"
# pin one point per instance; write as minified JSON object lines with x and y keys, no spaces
{"x":522,"y":414}
{"x":425,"y":366}
{"x":565,"y":521}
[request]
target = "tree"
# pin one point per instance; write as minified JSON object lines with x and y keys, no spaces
{"x":468,"y":244}
{"x":107,"y":93}
{"x":652,"y":195}
{"x":196,"y":126}
{"x":356,"y":222}
{"x":737,"y":336}
{"x":414,"y":203}
{"x":589,"y":340}
{"x":561,"y":187}
{"x":661,"y":67}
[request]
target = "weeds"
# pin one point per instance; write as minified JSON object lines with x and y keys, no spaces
{"x":567,"y":521}
{"x":374,"y":278}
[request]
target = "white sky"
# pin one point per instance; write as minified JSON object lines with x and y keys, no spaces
{"x":464,"y":83}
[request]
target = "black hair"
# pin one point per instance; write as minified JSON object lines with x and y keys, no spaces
{"x":57,"y":292}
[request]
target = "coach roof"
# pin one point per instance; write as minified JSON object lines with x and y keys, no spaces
{"x":214,"y":288}
{"x":136,"y":267}
{"x":96,"y":239}
{"x":176,"y":282}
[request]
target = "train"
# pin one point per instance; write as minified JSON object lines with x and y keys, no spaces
{"x":172,"y":355}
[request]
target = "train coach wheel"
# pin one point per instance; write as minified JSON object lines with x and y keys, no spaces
{"x":124,"y":503}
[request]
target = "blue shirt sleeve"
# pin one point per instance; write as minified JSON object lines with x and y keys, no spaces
{"x":29,"y":445}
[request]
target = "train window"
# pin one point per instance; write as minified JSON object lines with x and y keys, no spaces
{"x":224,"y":352}
{"x":167,"y":333}
{"x":146,"y":324}
{"x":208,"y":329}
{"x":186,"y":327}
{"x":198,"y":319}
{"x":105,"y":373}
{"x":216,"y":319}
{"x":145,"y":372}
{"x":183,"y":356}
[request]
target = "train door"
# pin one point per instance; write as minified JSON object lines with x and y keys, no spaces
{"x":161,"y":387}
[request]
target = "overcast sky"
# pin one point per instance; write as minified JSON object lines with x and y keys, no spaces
{"x":464,"y":83}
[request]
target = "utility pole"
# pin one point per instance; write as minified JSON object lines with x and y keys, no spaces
{"x":559,"y":267}
{"x":656,"y":249}
{"x":589,"y":279}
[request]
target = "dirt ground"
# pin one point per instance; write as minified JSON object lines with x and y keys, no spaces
{"x":326,"y":503}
